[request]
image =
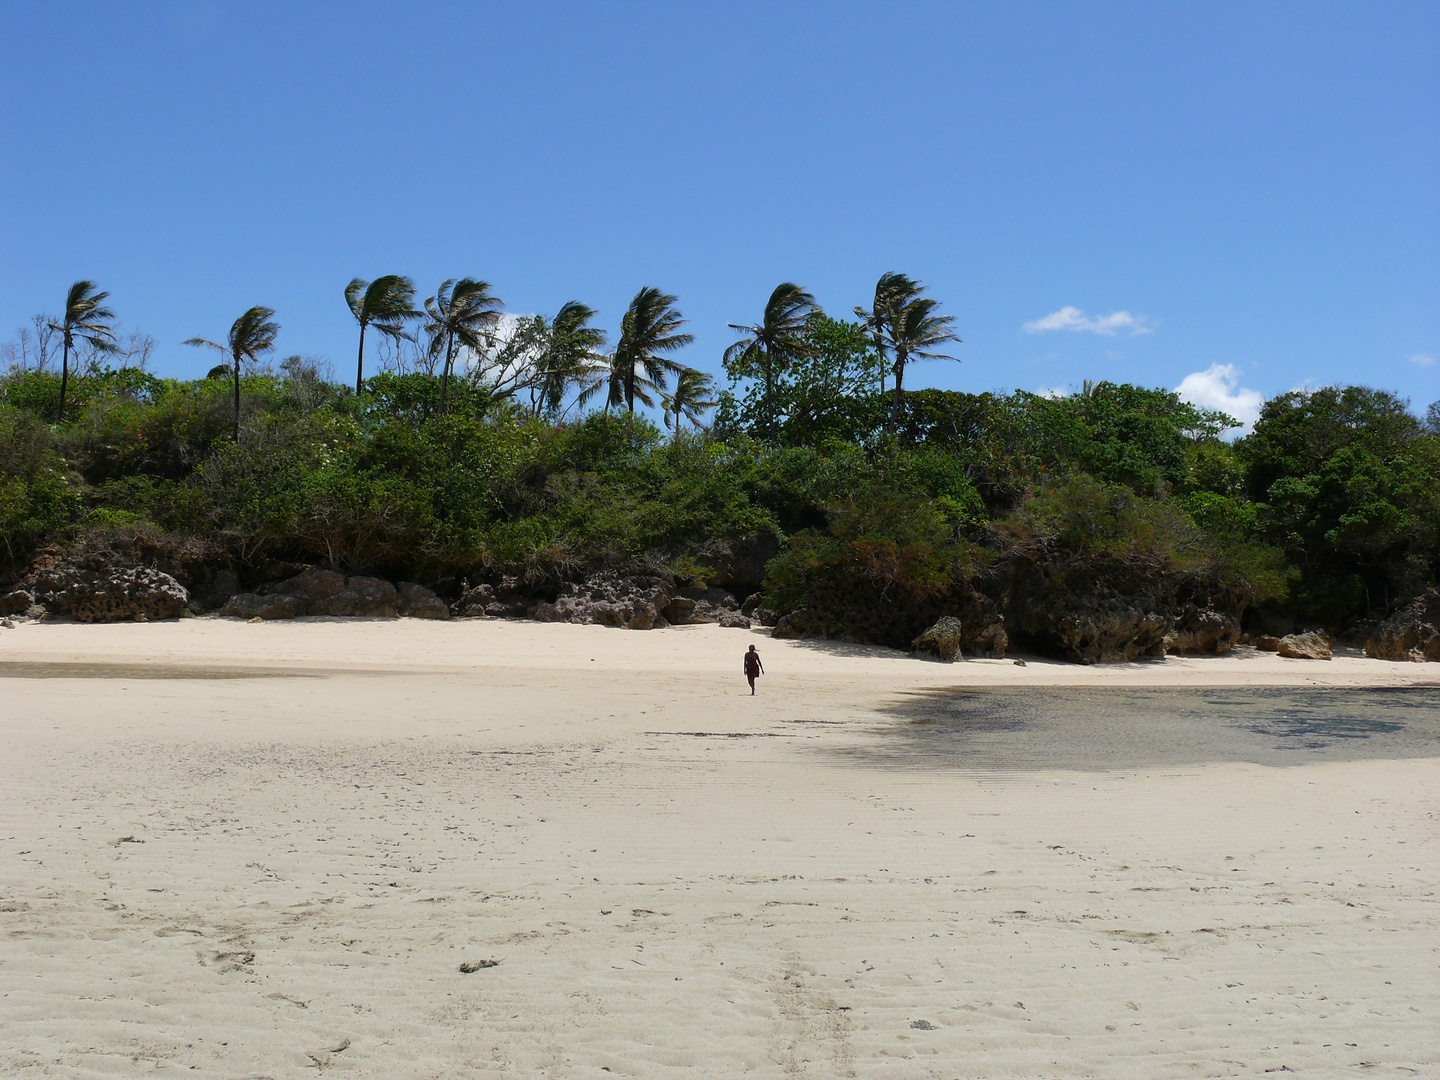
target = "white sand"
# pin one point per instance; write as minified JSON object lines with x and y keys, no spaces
{"x":269,"y":876}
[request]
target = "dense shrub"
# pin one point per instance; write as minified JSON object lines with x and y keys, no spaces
{"x":37,"y":498}
{"x":1332,"y":505}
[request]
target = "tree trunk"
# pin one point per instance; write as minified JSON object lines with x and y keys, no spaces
{"x":360,"y":362}
{"x":899,"y":392}
{"x":769,"y":400}
{"x":235,"y":434}
{"x":445,"y":374}
{"x":880,"y":352}
{"x":64,"y":378}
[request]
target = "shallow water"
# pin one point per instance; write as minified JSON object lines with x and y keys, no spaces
{"x":1023,"y":728}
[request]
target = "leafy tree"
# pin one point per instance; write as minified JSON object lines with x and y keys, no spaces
{"x":773,"y":343}
{"x":1348,"y":482}
{"x":250,"y":335}
{"x":1299,"y":431}
{"x":1432,"y":418}
{"x":650,"y":328}
{"x":460,"y":313}
{"x":85,"y":317}
{"x":828,"y":391}
{"x":387,"y":303}
{"x":690,"y":399}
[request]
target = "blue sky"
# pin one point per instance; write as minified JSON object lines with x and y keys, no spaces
{"x":1138,"y":192}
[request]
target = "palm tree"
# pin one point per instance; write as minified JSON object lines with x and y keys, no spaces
{"x":690,"y":399}
{"x":776,"y":340}
{"x":460,"y":313}
{"x":610,"y":374}
{"x":250,"y":335}
{"x":570,"y":356}
{"x":914,"y":330}
{"x":84,"y":316}
{"x":650,"y":327}
{"x":387,"y":303}
{"x":892,"y":291}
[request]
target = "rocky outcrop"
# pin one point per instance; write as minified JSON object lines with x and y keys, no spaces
{"x":1105,"y":609}
{"x":844,"y":609}
{"x":17,"y":602}
{"x":1203,"y":632}
{"x":634,"y":600}
{"x":253,"y":606}
{"x":361,"y":596}
{"x":1412,"y":633}
{"x":418,"y":602}
{"x":1307,"y":646}
{"x":1267,"y":643}
{"x":1107,"y":630}
{"x":697,"y":605}
{"x":316,"y":592}
{"x":94,"y":591}
{"x":950,"y":638}
{"x":637,"y":597}
{"x":507,"y":598}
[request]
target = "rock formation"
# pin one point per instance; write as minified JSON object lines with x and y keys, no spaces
{"x":317,"y":592}
{"x":1107,"y":609}
{"x":1203,"y":632}
{"x":94,"y":591}
{"x":633,"y":600}
{"x":418,"y":602}
{"x":1412,"y":633}
{"x":1311,"y":645}
{"x":949,"y":638}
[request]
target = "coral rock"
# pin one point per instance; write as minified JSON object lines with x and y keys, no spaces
{"x":1308,"y":646}
{"x":418,"y":602}
{"x":98,"y":593}
{"x":1412,"y":633}
{"x":17,"y":602}
{"x":950,"y":637}
{"x":1203,"y":631}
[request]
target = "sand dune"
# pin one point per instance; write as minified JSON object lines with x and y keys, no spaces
{"x":266,"y":851}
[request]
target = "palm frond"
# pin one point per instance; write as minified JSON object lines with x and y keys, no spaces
{"x":650,"y":327}
{"x":355,"y":297}
{"x":253,"y":333}
{"x":85,"y":314}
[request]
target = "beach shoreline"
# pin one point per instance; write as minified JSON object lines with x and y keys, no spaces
{"x":411,"y":646}
{"x":266,"y":850}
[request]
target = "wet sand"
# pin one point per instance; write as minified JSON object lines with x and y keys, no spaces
{"x":878,"y":867}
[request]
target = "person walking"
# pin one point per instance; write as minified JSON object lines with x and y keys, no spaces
{"x":753,"y":668}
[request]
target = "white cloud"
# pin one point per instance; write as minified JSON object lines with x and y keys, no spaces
{"x":1218,"y":387}
{"x":1423,"y":359}
{"x":1072,"y":318}
{"x":1053,"y":391}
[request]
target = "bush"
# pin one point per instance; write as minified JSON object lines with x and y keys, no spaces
{"x":37,"y":496}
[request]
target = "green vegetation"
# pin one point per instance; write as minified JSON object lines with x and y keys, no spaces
{"x":477,"y":454}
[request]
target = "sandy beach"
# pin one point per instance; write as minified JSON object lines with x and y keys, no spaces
{"x":270,"y":850}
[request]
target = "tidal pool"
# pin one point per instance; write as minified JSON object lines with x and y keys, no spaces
{"x":1024,"y":728}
